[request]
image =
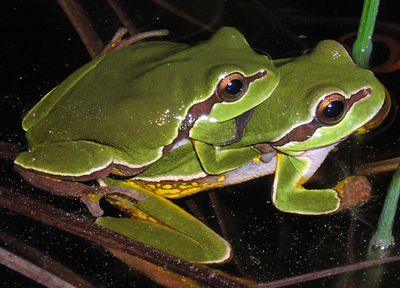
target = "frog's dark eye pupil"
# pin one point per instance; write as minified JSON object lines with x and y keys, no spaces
{"x":234,"y":87}
{"x":333,"y":109}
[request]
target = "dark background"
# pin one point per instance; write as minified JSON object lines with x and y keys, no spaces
{"x":40,"y":48}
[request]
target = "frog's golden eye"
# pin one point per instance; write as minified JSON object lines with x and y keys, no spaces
{"x":332,"y":109}
{"x":232,"y":87}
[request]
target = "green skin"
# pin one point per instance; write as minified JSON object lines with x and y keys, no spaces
{"x":282,"y":122}
{"x":304,"y":82}
{"x":176,"y":229}
{"x":125,"y":110}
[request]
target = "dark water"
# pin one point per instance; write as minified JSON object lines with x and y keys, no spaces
{"x":40,"y":47}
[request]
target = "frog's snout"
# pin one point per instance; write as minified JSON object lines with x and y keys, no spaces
{"x":379,"y":117}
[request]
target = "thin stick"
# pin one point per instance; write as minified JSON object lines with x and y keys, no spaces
{"x":324,"y":273}
{"x":183,"y":15}
{"x":83,"y":26}
{"x":89,"y":230}
{"x":43,"y":260}
{"x":32,"y":271}
{"x":125,"y":20}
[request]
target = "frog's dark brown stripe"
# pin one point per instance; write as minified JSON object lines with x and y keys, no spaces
{"x":204,"y":109}
{"x":305,"y":131}
{"x":195,"y":112}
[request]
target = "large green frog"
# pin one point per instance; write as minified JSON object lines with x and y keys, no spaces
{"x":125,"y":110}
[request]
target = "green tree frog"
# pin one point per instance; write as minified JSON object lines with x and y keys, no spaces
{"x":321,"y":99}
{"x":125,"y":110}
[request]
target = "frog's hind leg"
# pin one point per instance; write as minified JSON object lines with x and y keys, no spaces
{"x":95,"y":193}
{"x":90,"y":195}
{"x":61,"y":168}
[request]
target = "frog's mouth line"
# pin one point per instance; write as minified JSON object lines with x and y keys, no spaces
{"x":379,"y":117}
{"x":305,"y":131}
{"x":203,"y":109}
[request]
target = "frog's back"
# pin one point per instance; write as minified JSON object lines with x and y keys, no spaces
{"x":42,"y":108}
{"x":100,"y":103}
{"x":134,"y":99}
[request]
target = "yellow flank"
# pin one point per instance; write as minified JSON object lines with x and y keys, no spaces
{"x":177,"y":189}
{"x":139,"y":214}
{"x":54,"y":179}
{"x":298,"y":185}
{"x":336,"y":148}
{"x":95,"y":197}
{"x":115,"y":171}
{"x":132,"y":210}
{"x":361,"y":130}
{"x":340,"y":188}
{"x":257,"y":159}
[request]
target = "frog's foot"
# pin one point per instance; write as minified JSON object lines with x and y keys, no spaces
{"x":132,"y":193}
{"x":92,"y":203}
{"x":90,"y":195}
{"x":117,"y":43}
{"x":354,"y":192}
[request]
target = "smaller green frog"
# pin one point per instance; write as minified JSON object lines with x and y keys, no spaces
{"x":321,"y":99}
{"x":125,"y":110}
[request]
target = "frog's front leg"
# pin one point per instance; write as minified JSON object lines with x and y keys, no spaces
{"x":62,"y":167}
{"x":292,"y":172}
{"x":217,"y":161}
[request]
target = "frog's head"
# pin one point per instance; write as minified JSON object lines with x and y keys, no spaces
{"x":337,"y":98}
{"x":229,"y":80}
{"x":239,"y":77}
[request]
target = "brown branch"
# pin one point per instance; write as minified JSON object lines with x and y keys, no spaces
{"x":83,"y":26}
{"x":32,"y":271}
{"x":183,"y":15}
{"x":84,"y":228}
{"x":325,"y":273}
{"x":125,"y":20}
{"x":9,"y":150}
{"x":44,"y":261}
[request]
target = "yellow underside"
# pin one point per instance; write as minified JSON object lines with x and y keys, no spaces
{"x":175,"y":189}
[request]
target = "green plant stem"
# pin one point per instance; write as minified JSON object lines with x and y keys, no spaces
{"x":363,"y":46}
{"x":383,"y":238}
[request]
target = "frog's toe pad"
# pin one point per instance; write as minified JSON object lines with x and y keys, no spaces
{"x":132,"y":193}
{"x":124,"y":191}
{"x":92,"y":198}
{"x":354,"y":192}
{"x":92,"y":204}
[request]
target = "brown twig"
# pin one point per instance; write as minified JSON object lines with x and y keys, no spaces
{"x":83,"y":26}
{"x":125,"y":20}
{"x":44,"y":261}
{"x":183,"y":15}
{"x":32,"y":271}
{"x":325,"y":273}
{"x":9,"y":150}
{"x":276,"y":21}
{"x":84,"y":228}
